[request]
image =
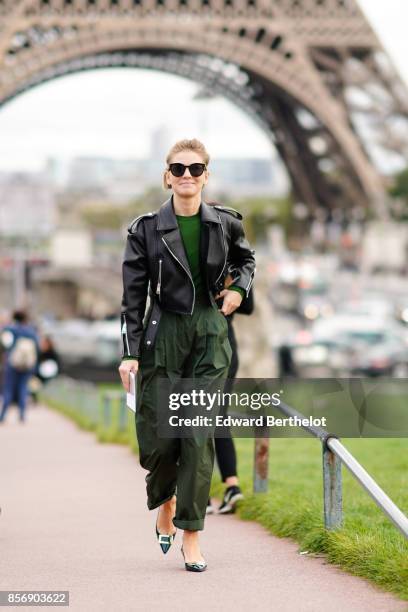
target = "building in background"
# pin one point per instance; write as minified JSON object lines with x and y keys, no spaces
{"x":27,"y":205}
{"x":247,"y":177}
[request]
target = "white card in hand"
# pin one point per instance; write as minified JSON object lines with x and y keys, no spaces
{"x":131,"y":397}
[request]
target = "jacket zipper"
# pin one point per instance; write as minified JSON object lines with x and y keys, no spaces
{"x":250,"y":282}
{"x":225,"y":252}
{"x":184,"y":268}
{"x":124,"y":334}
{"x":159,"y":279}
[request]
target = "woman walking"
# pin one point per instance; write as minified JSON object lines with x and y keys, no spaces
{"x":179,"y":256}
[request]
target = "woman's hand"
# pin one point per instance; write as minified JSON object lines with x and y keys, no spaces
{"x":232,"y":299}
{"x":127,"y":366}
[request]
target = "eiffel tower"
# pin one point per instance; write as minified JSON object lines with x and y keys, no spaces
{"x":311,"y":73}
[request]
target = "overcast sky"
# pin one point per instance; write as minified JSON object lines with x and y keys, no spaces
{"x":113,"y":112}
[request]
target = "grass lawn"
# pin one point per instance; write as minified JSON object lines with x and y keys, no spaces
{"x":368,"y":544}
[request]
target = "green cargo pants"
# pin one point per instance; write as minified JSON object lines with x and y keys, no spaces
{"x":186,"y":346}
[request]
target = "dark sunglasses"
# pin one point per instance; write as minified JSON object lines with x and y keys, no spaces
{"x":179,"y":169}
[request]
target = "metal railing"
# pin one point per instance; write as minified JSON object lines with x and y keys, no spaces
{"x":109,"y":400}
{"x":84,"y":398}
{"x":333,"y":455}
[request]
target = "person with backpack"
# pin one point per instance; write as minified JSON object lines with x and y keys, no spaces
{"x":21,"y":345}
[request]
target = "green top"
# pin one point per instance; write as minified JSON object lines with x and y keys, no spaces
{"x":190,"y":228}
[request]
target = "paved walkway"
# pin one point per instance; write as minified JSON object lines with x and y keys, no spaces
{"x":74,"y":518}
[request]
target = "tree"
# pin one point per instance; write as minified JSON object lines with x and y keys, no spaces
{"x":400,"y":187}
{"x":261,"y":212}
{"x":105,"y":215}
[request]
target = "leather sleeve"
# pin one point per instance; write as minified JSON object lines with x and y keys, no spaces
{"x":135,"y":285}
{"x":241,"y":257}
{"x":247,"y":305}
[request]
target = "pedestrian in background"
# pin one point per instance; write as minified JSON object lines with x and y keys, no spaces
{"x":4,"y":320}
{"x":48,"y":366}
{"x":224,"y":444}
{"x":21,"y":345}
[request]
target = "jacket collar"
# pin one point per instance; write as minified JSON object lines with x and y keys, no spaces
{"x":168,"y":220}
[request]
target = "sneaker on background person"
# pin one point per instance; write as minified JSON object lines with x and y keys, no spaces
{"x":232,"y":495}
{"x":210,"y":508}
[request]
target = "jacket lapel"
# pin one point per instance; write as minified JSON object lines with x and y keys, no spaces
{"x":172,"y":238}
{"x":213,"y":246}
{"x":174,"y":242}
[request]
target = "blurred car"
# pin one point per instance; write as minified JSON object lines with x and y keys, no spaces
{"x":401,"y":311}
{"x":313,"y":300}
{"x":301,"y":289}
{"x":387,"y":356}
{"x":322,"y":358}
{"x":313,"y":357}
{"x":108,"y":341}
{"x":79,"y":341}
{"x":368,"y":306}
{"x":375,"y":346}
{"x":344,"y":346}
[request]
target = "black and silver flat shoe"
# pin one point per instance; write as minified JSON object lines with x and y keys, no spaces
{"x":194,"y":566}
{"x":165,"y":540}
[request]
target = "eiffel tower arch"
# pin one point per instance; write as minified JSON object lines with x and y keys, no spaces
{"x":312,"y":74}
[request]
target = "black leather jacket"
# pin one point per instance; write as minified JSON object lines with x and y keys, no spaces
{"x":155,"y":262}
